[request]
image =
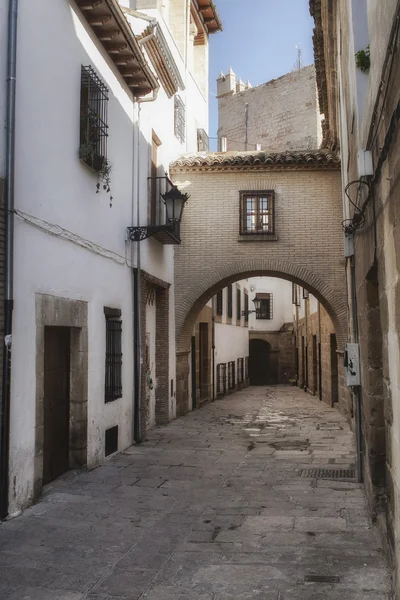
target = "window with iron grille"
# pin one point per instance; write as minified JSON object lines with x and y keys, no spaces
{"x":93,"y":120}
{"x":257,"y":213}
{"x":246,"y":308}
{"x":230,"y":296}
{"x":179,"y":119}
{"x":221,"y":379}
{"x":240,"y":369}
{"x":231,"y":375}
{"x":220,"y":304}
{"x":246,"y":368}
{"x":306,"y":294}
{"x":238,"y":305}
{"x":113,"y":378}
{"x":266,"y":306}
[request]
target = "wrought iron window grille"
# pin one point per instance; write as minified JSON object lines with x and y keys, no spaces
{"x":246,"y":308}
{"x":221,"y":379}
{"x":93,"y":120}
{"x":246,"y":368}
{"x":179,"y":119}
{"x":113,"y":373}
{"x":220,"y":304}
{"x":266,"y":309}
{"x":238,"y":305}
{"x":230,"y":301}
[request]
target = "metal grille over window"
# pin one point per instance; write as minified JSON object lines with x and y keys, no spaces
{"x":113,"y":376}
{"x":231,"y":375}
{"x":238,"y":305}
{"x":221,"y":379}
{"x":220,"y":303}
{"x":257,"y":213}
{"x":93,"y":120}
{"x":246,"y":308}
{"x":246,"y":368}
{"x":179,"y":120}
{"x":202,"y":141}
{"x":230,"y":294}
{"x":266,"y":306}
{"x":294,"y":294}
{"x":240,"y":370}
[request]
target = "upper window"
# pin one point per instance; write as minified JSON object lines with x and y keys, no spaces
{"x":113,"y":379}
{"x":257,"y":212}
{"x":238,"y":305}
{"x":266,"y":306}
{"x":179,"y":119}
{"x":219,"y":303}
{"x":246,"y":308}
{"x":230,"y":294}
{"x":93,"y":120}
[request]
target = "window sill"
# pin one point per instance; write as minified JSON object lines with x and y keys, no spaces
{"x":257,"y":237}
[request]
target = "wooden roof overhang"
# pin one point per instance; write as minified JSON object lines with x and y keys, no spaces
{"x":162,"y":60}
{"x":111,"y":28}
{"x":209,"y":15}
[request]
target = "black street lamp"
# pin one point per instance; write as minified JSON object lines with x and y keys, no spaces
{"x":174,"y":201}
{"x":257,"y":303}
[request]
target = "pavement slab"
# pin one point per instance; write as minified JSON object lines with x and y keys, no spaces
{"x":212,"y":506}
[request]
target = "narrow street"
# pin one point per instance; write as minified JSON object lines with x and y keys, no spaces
{"x":212,"y":507}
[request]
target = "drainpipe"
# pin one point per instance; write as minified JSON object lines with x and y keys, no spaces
{"x":8,"y":276}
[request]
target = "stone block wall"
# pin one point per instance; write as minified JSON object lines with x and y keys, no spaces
{"x":282,"y":114}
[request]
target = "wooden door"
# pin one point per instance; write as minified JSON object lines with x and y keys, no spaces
{"x":56,"y":402}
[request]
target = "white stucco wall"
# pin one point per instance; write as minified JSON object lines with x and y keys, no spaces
{"x":282,"y":302}
{"x":54,"y":187}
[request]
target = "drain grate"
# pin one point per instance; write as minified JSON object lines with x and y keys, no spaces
{"x":337,"y":474}
{"x":322,"y":578}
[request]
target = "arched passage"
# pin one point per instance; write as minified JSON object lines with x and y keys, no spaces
{"x":189,"y":306}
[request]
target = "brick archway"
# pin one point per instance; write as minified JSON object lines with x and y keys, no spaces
{"x":304,"y":245}
{"x":216,"y":279}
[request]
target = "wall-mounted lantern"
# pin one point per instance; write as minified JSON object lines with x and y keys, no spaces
{"x":169,"y":233}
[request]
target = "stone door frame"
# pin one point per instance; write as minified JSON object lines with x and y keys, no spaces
{"x":53,"y":311}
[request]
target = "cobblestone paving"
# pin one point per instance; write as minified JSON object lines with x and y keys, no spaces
{"x":211,"y":507}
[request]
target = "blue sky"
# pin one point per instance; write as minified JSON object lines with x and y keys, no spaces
{"x":259,"y":42}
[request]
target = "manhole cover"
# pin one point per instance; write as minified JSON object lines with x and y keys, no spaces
{"x":337,"y":474}
{"x":322,"y":578}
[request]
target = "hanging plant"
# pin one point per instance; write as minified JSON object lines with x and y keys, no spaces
{"x":363,"y":61}
{"x":104,"y":179}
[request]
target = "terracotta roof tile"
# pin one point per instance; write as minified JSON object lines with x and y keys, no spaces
{"x":322,"y":159}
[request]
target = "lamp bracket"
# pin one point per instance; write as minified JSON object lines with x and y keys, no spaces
{"x":137,"y":234}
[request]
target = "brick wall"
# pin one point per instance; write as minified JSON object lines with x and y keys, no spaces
{"x":308,"y":246}
{"x":283,"y":114}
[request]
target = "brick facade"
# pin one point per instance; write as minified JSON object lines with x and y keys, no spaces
{"x":308,"y":247}
{"x":282,"y":114}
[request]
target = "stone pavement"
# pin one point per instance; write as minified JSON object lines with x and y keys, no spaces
{"x":211,"y":507}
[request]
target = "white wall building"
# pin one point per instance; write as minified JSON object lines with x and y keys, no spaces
{"x":80,"y":289}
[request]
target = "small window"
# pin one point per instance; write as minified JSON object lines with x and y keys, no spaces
{"x":266,"y":306}
{"x":257,"y":213}
{"x":246,"y":308}
{"x":179,"y":119}
{"x":221,"y":379}
{"x":231,"y":375}
{"x":93,"y":120}
{"x":230,"y":294}
{"x":220,"y":304}
{"x":238,"y":306}
{"x":113,"y":379}
{"x":111,"y":441}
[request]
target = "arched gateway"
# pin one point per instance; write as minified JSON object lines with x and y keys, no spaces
{"x":252,"y":214}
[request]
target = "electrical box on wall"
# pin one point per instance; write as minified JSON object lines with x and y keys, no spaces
{"x":352,"y":364}
{"x":348,"y":245}
{"x":364,"y":161}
